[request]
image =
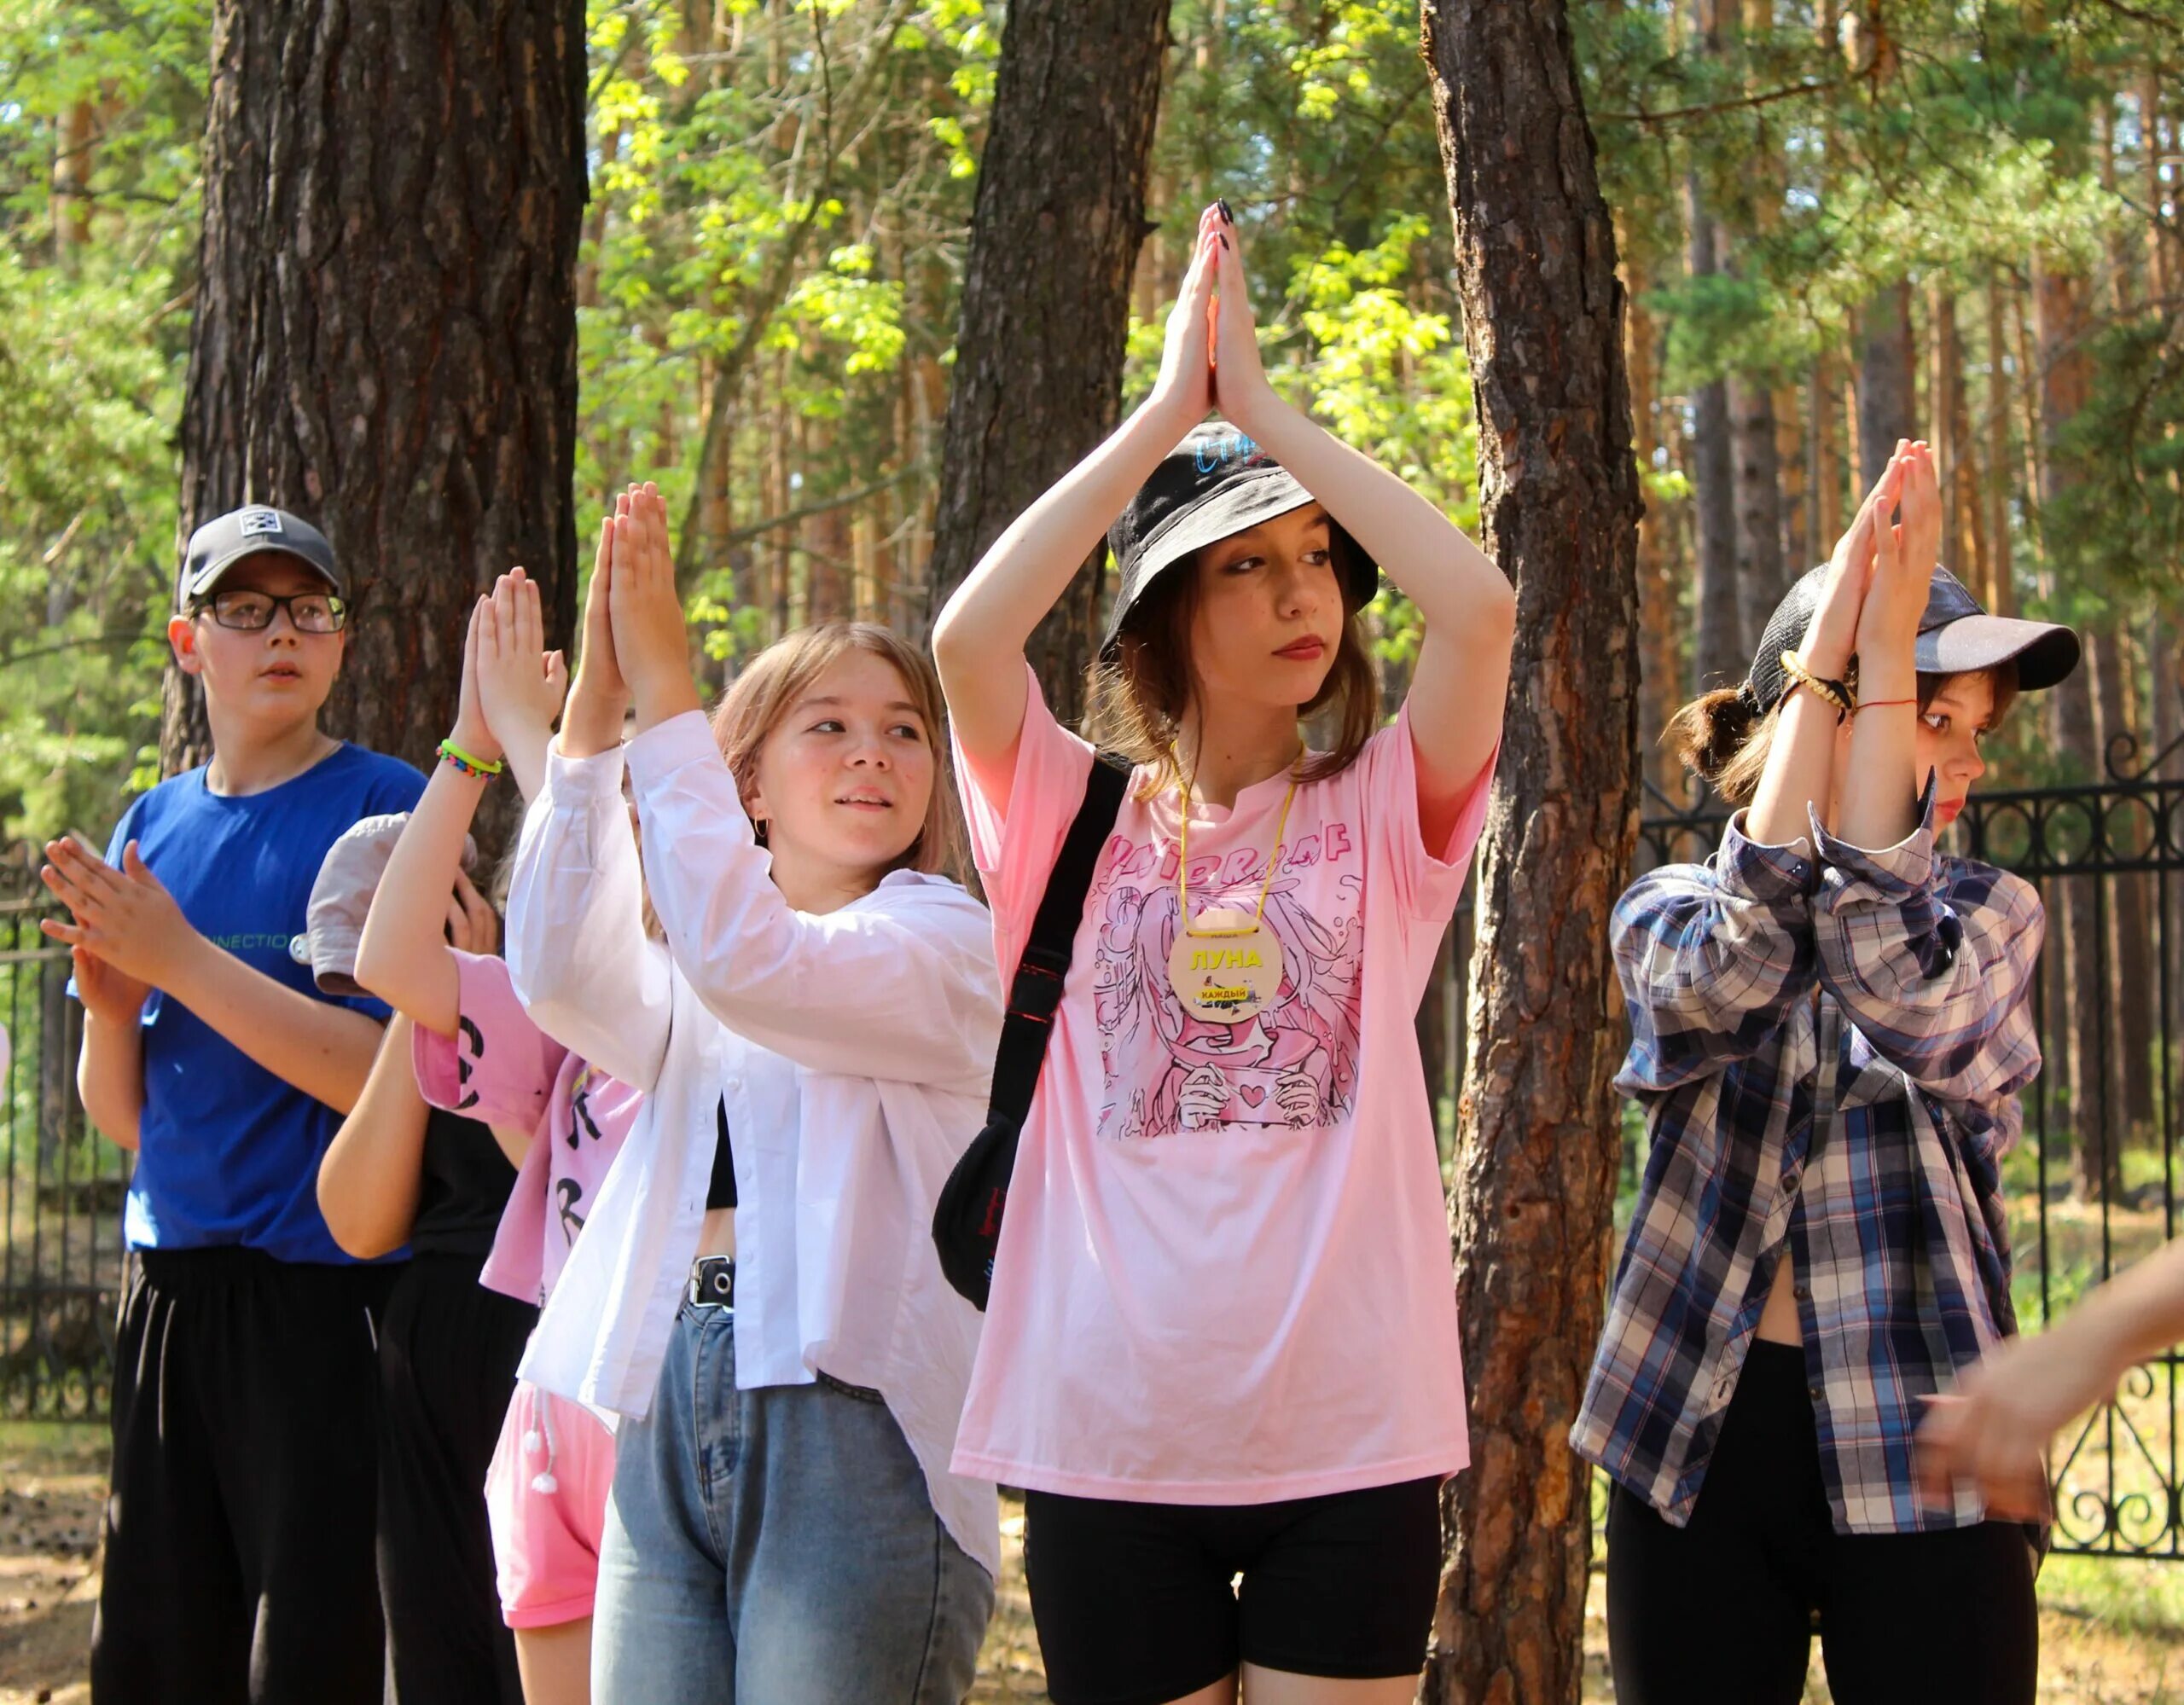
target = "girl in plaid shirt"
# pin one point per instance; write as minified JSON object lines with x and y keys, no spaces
{"x":1828,"y":1031}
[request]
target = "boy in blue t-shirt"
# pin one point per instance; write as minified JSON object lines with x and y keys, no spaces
{"x":239,"y":1532}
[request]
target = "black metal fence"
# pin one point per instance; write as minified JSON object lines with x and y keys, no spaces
{"x":63,"y":1187}
{"x":2094,"y":1185}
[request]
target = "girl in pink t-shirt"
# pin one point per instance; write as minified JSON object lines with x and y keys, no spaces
{"x":1222,"y":1336}
{"x":476,"y":1051}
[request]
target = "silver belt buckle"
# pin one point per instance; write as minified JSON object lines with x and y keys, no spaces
{"x":712,"y":1282}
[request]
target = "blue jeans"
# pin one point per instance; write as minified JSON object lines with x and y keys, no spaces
{"x":775,"y":1547}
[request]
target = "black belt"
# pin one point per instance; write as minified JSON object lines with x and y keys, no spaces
{"x":712,"y":1282}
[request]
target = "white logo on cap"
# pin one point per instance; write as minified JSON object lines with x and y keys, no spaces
{"x":255,"y":522}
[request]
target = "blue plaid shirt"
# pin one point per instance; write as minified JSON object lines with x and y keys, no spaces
{"x":1916,"y":968}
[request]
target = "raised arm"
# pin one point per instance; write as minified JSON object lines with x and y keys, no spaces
{"x":1876,"y":801}
{"x":1470,"y":609}
{"x":1935,"y":965}
{"x":1712,"y":958}
{"x":511,"y":689}
{"x":127,"y":917}
{"x":1800,"y":777}
{"x":901,"y":986}
{"x":403,"y":956}
{"x":980,"y":637}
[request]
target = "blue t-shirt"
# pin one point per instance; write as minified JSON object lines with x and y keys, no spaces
{"x":228,"y":1153}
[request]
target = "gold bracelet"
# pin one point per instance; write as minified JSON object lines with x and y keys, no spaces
{"x":1832,"y":692}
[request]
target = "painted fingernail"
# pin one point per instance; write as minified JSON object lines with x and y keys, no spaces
{"x":1222,"y":202}
{"x":1224,"y":242}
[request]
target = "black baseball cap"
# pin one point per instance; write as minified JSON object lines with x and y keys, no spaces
{"x":1215,"y":482}
{"x":1956,"y":636}
{"x":220,"y":544}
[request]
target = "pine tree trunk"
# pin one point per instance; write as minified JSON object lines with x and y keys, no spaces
{"x":1758,"y":494}
{"x":1054,"y":237}
{"x":1536,"y":1166}
{"x":1887,"y":366}
{"x":2000,"y":594}
{"x":2131,"y":997}
{"x":385,"y":336}
{"x":1718,"y":656}
{"x":1826,"y":459}
{"x":1660,"y":674}
{"x":2060,"y":300}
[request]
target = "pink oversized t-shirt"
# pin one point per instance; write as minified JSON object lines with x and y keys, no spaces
{"x":501,"y":1068}
{"x":1225,"y":1275}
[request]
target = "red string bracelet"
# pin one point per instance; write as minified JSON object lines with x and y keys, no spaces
{"x":1880,"y":704}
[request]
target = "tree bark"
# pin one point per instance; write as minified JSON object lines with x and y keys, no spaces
{"x":1887,"y":369}
{"x":1824,"y":396}
{"x":2132,"y":995}
{"x":385,"y":336}
{"x":1537,"y":1152}
{"x":1760,"y":581}
{"x":2000,"y":595}
{"x":1659,"y":671}
{"x":1054,"y":235}
{"x":2059,"y":305}
{"x":1718,"y":657}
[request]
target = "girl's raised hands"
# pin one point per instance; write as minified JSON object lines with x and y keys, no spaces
{"x":1240,"y":381}
{"x":1833,"y":636}
{"x":521,"y":684}
{"x":599,"y":676}
{"x":651,"y":643}
{"x":1904,"y":555}
{"x":473,"y":732}
{"x":1185,"y":380}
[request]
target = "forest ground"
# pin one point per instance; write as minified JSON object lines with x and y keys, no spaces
{"x":2111,"y":1633}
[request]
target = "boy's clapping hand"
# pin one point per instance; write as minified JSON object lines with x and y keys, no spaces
{"x":105,"y":993}
{"x":651,"y":644}
{"x":126,"y":917}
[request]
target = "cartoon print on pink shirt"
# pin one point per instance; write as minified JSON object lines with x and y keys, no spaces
{"x":1294,"y":1066}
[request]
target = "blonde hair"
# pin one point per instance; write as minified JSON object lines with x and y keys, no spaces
{"x":773,"y":682}
{"x":1723,"y":738}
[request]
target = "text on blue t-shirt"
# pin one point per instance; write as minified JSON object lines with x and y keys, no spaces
{"x":228,"y":1153}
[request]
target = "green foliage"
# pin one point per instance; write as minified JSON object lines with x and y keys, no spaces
{"x":93,"y":333}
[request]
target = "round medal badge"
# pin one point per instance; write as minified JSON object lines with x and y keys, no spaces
{"x":1225,"y":968}
{"x":1226,"y":965}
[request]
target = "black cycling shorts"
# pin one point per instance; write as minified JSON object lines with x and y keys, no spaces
{"x":1135,"y":1603}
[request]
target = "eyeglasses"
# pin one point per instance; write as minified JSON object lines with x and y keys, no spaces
{"x":252,"y":612}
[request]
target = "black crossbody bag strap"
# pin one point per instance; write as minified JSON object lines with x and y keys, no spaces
{"x":967,"y":1218}
{"x":1035,"y":993}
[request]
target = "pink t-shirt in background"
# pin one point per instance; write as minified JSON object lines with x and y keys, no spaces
{"x":501,"y":1068}
{"x":1224,"y":1275}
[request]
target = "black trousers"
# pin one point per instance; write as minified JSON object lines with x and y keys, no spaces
{"x":239,"y":1530}
{"x":447,"y":1352}
{"x":1724,"y":1610}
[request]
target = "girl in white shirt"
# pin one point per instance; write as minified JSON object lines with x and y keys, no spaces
{"x":814,"y":1047}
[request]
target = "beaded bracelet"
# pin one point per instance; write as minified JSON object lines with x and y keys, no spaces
{"x":468,"y":765}
{"x":1832,"y":692}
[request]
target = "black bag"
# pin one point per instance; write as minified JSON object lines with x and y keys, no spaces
{"x":966,"y":1220}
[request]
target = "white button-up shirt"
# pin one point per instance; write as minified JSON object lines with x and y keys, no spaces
{"x":854,"y":1049}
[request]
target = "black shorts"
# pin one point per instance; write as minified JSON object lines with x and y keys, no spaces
{"x":1134,"y":1603}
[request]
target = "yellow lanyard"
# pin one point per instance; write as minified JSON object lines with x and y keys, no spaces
{"x":1183,"y":860}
